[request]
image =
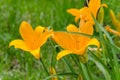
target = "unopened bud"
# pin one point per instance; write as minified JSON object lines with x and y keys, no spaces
{"x":53,"y":72}
{"x":100,"y":16}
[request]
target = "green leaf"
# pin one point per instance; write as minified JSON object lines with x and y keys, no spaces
{"x":101,"y":66}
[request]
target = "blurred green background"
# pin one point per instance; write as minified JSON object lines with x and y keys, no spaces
{"x":19,"y":65}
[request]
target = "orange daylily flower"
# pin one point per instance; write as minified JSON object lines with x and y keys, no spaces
{"x":32,"y":39}
{"x":85,"y":12}
{"x":75,"y":43}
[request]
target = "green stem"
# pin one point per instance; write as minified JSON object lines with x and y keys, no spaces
{"x":44,"y":67}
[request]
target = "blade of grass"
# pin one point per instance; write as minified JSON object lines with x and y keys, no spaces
{"x":100,"y":65}
{"x":115,"y":60}
{"x":68,"y":65}
{"x":85,"y":71}
{"x":44,"y":66}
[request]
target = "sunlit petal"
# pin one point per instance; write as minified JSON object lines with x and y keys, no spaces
{"x":39,"y":30}
{"x":19,"y":44}
{"x":74,"y":12}
{"x":95,"y":42}
{"x":94,"y":5}
{"x":81,"y":51}
{"x":45,"y":36}
{"x":26,"y":31}
{"x":86,"y":14}
{"x":72,"y":28}
{"x":81,"y":24}
{"x":63,"y":53}
{"x":65,"y":40}
{"x":36,"y":53}
{"x":77,"y":18}
{"x":87,"y":28}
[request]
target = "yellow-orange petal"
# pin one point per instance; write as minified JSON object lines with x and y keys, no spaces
{"x":45,"y":36}
{"x":65,"y":40}
{"x":72,"y":28}
{"x":19,"y":44}
{"x":36,"y":53}
{"x":77,"y":18}
{"x":87,"y":28}
{"x":39,"y":29}
{"x":63,"y":53}
{"x":94,"y":6}
{"x":81,"y":51}
{"x":26,"y":31}
{"x":86,"y":15}
{"x":81,"y":23}
{"x":74,"y":12}
{"x":94,"y":41}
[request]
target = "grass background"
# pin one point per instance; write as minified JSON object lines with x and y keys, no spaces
{"x":19,"y":65}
